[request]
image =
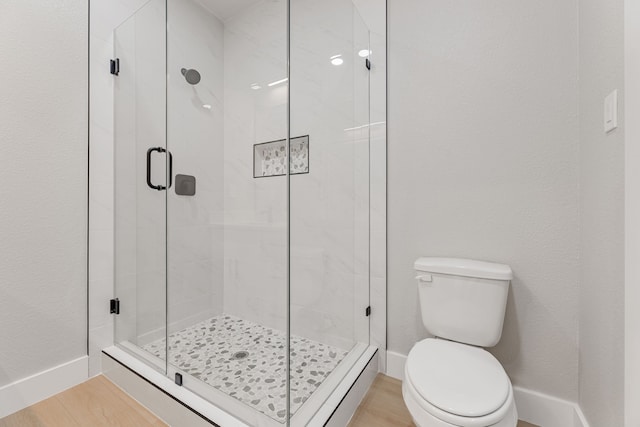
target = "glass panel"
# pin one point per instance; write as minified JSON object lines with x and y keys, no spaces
{"x":227,"y":306}
{"x":329,"y":206}
{"x":140,"y":224}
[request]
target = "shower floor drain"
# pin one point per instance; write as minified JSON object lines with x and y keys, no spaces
{"x":238,"y":355}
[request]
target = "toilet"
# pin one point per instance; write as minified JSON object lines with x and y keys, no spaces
{"x":451,"y":380}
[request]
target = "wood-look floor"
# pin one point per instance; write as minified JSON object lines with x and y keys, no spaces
{"x":383,"y":406}
{"x":98,"y":402}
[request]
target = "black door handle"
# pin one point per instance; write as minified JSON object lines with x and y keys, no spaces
{"x":149,"y":183}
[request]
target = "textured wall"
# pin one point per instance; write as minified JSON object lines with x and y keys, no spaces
{"x":483,"y":163}
{"x":43,"y":168}
{"x":602,"y":214}
{"x":632,"y":212}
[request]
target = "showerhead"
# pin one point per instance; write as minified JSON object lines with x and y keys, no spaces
{"x":191,"y":76}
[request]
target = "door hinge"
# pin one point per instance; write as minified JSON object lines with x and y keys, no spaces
{"x":367,"y":311}
{"x":114,"y":306}
{"x":114,"y":66}
{"x":367,"y":63}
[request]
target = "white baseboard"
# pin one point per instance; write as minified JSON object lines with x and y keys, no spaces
{"x":395,"y":364}
{"x":33,"y":389}
{"x":547,"y":411}
{"x":533,"y":407}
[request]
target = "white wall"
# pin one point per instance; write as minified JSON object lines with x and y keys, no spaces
{"x":602,"y":158}
{"x":632,"y":212}
{"x":43,"y":166}
{"x":483,"y":163}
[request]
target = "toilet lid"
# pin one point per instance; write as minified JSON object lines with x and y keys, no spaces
{"x":457,"y":378}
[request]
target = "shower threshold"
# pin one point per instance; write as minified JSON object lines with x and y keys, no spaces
{"x":240,"y":366}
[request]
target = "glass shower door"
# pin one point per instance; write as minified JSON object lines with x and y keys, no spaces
{"x":141,"y":184}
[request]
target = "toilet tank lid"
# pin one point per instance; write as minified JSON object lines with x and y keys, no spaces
{"x":464,"y":267}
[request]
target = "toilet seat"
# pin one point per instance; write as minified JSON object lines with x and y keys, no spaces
{"x":457,"y":384}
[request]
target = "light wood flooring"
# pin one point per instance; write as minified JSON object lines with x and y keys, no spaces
{"x":383,"y":406}
{"x":98,"y":402}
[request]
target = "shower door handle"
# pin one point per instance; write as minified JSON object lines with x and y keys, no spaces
{"x":149,"y":183}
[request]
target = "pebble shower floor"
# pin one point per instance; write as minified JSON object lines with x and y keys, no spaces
{"x":247,"y":361}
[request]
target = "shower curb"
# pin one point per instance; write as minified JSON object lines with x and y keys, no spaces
{"x":175,"y":405}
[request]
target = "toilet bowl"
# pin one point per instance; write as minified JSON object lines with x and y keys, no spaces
{"x":452,"y":384}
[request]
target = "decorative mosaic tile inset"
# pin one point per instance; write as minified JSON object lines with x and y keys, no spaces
{"x":270,"y":158}
{"x":247,"y":361}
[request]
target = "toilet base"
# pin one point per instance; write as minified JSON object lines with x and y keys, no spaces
{"x":422,"y":418}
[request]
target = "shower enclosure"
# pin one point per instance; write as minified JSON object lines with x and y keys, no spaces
{"x":242,"y":199}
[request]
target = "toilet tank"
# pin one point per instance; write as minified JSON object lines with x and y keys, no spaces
{"x":463,"y":300}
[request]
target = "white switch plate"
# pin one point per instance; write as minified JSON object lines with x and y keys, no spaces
{"x":611,"y":111}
